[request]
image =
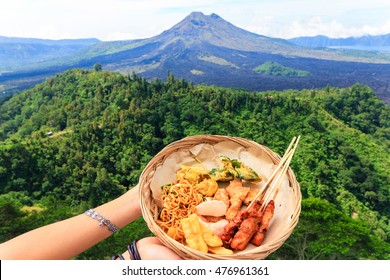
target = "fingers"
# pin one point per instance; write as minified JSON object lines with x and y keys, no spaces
{"x":150,"y":248}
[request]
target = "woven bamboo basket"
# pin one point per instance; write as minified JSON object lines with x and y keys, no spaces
{"x":287,"y":202}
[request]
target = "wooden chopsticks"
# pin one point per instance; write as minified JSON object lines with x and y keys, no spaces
{"x":271,"y":187}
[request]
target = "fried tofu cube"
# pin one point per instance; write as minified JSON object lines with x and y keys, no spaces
{"x":210,"y":238}
{"x":193,"y":233}
{"x":220,"y":250}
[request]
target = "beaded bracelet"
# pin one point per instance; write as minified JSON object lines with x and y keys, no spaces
{"x":102,"y":221}
{"x":133,"y":252}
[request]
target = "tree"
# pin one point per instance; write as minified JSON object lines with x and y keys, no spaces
{"x":323,"y":232}
{"x":97,"y":67}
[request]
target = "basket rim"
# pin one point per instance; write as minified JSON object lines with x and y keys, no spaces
{"x":148,"y":213}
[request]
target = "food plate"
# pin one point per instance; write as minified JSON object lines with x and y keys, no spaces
{"x":204,"y":151}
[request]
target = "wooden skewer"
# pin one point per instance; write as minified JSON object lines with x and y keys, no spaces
{"x":283,"y":164}
{"x":265,"y":186}
{"x":273,"y":174}
{"x":278,"y":181}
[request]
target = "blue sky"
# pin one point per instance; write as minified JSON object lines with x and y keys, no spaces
{"x":135,"y":19}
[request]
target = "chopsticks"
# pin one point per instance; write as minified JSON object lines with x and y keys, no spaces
{"x":279,"y":172}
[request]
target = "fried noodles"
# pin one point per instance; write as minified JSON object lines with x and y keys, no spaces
{"x":179,"y":201}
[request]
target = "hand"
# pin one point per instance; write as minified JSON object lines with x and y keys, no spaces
{"x":150,"y":248}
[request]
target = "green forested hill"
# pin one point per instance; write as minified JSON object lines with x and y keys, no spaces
{"x":106,"y":127}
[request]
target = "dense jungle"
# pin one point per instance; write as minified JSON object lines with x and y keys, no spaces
{"x":83,"y":137}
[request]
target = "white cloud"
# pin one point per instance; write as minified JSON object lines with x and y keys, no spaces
{"x":270,"y":26}
{"x":134,"y":19}
{"x":333,"y":18}
{"x":316,"y":26}
{"x":115,"y":36}
{"x":377,"y":30}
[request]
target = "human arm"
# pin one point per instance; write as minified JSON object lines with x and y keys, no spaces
{"x":68,"y":238}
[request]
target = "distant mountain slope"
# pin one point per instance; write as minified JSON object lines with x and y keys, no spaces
{"x":374,"y":43}
{"x":21,"y":53}
{"x":197,"y":29}
{"x":49,"y":42}
{"x":208,"y":49}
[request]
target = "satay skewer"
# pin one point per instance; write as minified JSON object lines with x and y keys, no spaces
{"x":284,"y":163}
{"x":274,"y":189}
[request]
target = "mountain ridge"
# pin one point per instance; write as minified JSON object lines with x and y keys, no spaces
{"x":192,"y":29}
{"x":208,"y":49}
{"x":7,"y":39}
{"x":20,"y":52}
{"x":367,"y":42}
{"x":219,"y":32}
